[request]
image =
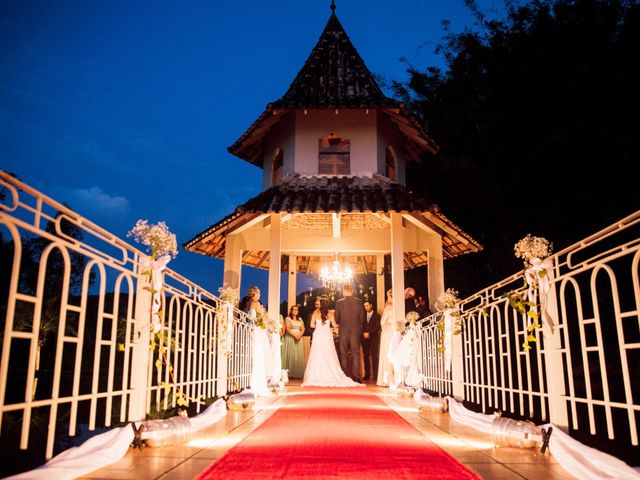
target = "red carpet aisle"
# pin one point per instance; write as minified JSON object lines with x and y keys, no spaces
{"x":336,"y":433}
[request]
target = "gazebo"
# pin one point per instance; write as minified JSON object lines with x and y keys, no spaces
{"x":334,"y":151}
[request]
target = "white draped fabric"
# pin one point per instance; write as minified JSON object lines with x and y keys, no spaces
{"x":406,"y":358}
{"x":585,"y":462}
{"x":579,"y":460}
{"x":274,"y":373}
{"x":156,"y":267}
{"x":107,"y":448}
{"x":448,"y":333}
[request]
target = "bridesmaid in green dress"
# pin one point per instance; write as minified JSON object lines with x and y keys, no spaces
{"x":292,"y":346}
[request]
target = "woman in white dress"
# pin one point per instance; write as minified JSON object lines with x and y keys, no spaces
{"x":323,"y":368}
{"x":385,"y":368}
{"x":260,"y":345}
{"x":394,"y":343}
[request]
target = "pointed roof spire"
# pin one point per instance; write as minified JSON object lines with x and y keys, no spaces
{"x":334,"y":75}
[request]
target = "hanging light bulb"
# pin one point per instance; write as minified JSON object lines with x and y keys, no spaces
{"x":334,"y":277}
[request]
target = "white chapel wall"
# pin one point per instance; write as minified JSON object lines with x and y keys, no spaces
{"x":355,"y":124}
{"x":282,"y":135}
{"x":390,"y":136}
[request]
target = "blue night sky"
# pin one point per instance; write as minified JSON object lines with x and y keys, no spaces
{"x":124,"y":110}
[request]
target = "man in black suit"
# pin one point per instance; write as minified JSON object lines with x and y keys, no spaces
{"x":349,"y":317}
{"x":370,"y":341}
{"x":409,"y":300}
{"x":421,"y":306}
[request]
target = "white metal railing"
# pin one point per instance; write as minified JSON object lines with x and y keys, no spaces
{"x":584,"y":370}
{"x":76,"y":343}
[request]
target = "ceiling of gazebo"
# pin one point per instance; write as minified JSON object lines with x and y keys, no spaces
{"x":319,"y":227}
{"x":323,"y":221}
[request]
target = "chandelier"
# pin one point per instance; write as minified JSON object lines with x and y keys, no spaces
{"x":335,"y":277}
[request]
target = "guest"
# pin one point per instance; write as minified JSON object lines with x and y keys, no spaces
{"x":385,"y":368}
{"x":293,"y":350}
{"x":409,"y":300}
{"x":370,"y":341}
{"x":399,"y":327}
{"x":421,"y":307}
{"x":262,"y":370}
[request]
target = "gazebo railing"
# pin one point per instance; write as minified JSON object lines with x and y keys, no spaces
{"x":75,"y":310}
{"x":583,"y":371}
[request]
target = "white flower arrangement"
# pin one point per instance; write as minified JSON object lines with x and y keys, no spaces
{"x":228,"y":294}
{"x":531,"y":247}
{"x":412,"y":317}
{"x":157,"y":237}
{"x":535,"y":252}
{"x":448,"y":299}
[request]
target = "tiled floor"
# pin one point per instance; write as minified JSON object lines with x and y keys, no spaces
{"x":470,"y":447}
{"x":476,"y":449}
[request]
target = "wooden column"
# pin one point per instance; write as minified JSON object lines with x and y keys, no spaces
{"x":275,"y":261}
{"x":380,"y":292}
{"x":293,"y":277}
{"x":230,"y":278}
{"x":397,"y":266}
{"x":435,"y":269}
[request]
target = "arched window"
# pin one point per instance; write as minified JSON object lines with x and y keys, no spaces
{"x":334,"y":155}
{"x":390,"y":164}
{"x":278,"y":162}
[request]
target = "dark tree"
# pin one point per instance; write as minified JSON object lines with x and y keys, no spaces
{"x":536,"y":116}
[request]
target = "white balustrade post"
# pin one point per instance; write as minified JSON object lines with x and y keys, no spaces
{"x":224,"y":344}
{"x":140,"y":349}
{"x":457,"y":367}
{"x":555,"y":369}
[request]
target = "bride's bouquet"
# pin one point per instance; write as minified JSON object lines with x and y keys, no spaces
{"x":263,"y":321}
{"x":260,"y":320}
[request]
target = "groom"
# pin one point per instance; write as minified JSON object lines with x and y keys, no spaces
{"x":350,"y":317}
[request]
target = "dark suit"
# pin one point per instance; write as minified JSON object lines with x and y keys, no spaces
{"x":371,"y":345}
{"x":409,"y":306}
{"x":349,"y":316}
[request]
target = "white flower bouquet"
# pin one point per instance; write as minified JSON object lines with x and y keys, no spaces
{"x":228,"y":294}
{"x":448,"y":299}
{"x":412,"y":317}
{"x":529,"y":248}
{"x":158,"y":237}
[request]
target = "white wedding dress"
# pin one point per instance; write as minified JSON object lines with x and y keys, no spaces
{"x":261,"y":359}
{"x":323,"y":368}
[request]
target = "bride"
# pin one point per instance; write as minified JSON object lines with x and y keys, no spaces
{"x":260,"y":346}
{"x":323,"y":368}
